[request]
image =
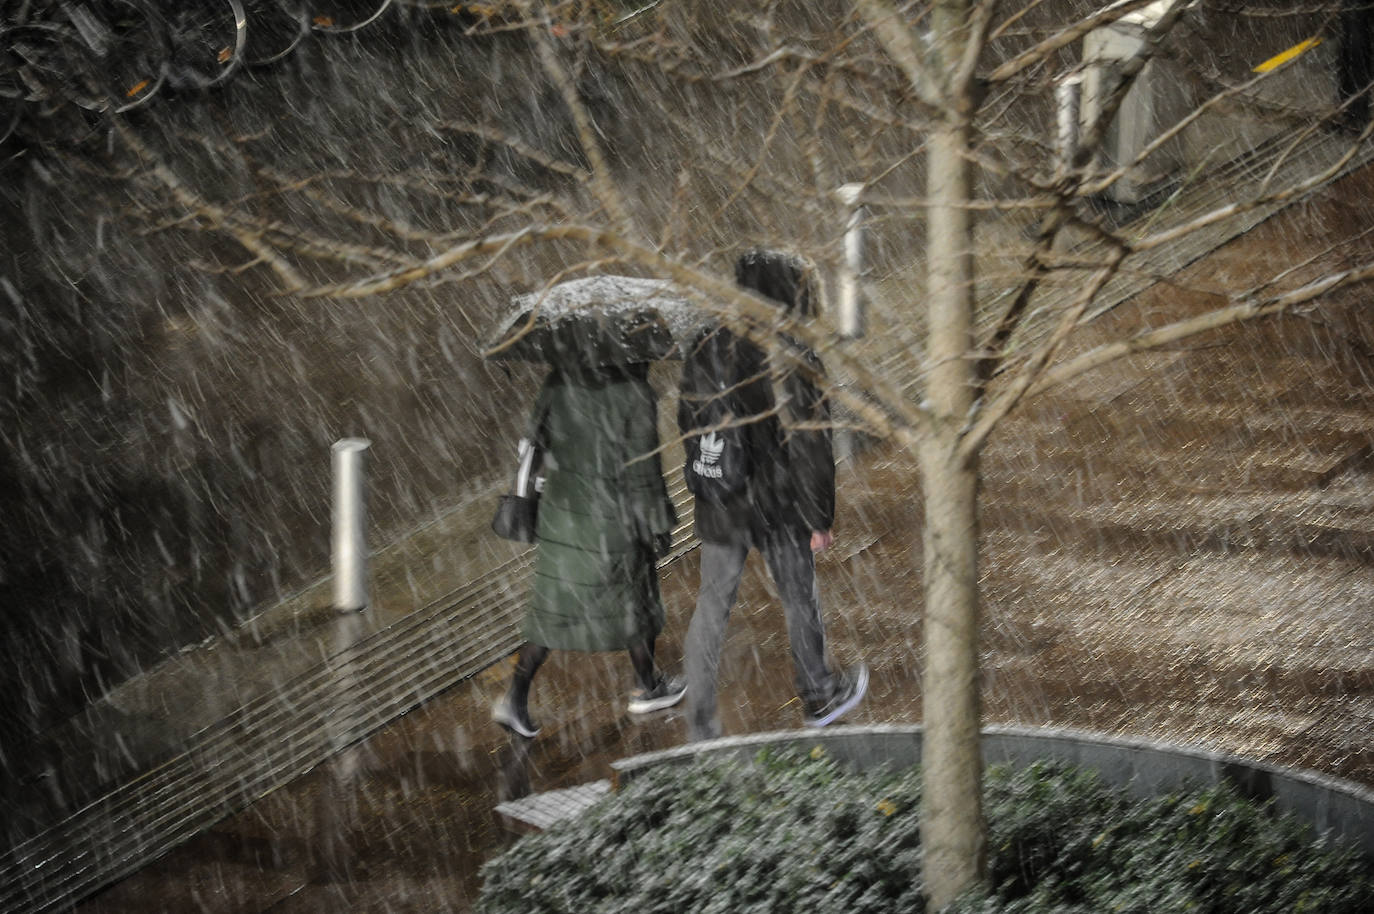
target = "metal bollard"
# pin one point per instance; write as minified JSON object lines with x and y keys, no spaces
{"x":350,"y":524}
{"x":850,"y":307}
{"x":1067,"y":93}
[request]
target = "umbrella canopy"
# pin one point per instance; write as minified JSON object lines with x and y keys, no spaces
{"x":597,"y":321}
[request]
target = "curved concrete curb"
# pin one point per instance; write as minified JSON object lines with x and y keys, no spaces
{"x":1331,"y":806}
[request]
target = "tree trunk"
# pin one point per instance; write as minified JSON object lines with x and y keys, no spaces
{"x":952,"y":825}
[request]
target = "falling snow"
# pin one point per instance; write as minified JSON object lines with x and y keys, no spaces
{"x":1179,"y":545}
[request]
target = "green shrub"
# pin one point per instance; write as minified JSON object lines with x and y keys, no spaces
{"x":797,"y":833}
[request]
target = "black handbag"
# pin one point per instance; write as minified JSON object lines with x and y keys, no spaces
{"x":516,"y":516}
{"x":518,"y":511}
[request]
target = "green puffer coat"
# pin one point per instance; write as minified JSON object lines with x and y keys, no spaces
{"x":595,"y":580}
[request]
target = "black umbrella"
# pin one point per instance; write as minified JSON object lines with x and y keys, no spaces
{"x":597,"y":321}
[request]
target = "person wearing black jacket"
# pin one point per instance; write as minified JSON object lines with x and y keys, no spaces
{"x":785,"y":509}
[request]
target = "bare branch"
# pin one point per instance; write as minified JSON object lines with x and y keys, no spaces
{"x":602,"y":180}
{"x":518,"y":146}
{"x":980,"y":22}
{"x":1014,"y":18}
{"x":899,"y":42}
{"x":1240,"y":207}
{"x":252,"y":241}
{"x":972,"y":441}
{"x":1065,"y":37}
{"x":473,"y":247}
{"x":784,"y":107}
{"x":1248,"y":309}
{"x":1036,"y":269}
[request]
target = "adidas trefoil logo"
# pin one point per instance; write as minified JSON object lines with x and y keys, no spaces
{"x":711,"y":447}
{"x":708,"y":464}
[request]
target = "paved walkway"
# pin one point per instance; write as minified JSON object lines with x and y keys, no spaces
{"x":169,"y":753}
{"x":139,"y":723}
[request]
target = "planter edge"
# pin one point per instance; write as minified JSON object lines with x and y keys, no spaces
{"x":1332,"y":806}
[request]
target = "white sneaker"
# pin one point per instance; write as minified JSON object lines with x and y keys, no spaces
{"x":665,"y":693}
{"x":505,"y":714}
{"x":850,"y":686}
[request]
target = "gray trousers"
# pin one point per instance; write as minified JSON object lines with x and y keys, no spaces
{"x":793,"y":569}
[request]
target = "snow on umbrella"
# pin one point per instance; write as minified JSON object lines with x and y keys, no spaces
{"x":599,"y":320}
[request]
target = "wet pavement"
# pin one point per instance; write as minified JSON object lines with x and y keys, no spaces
{"x":1181,"y":549}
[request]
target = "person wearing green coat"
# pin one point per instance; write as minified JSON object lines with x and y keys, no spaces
{"x":604,"y":517}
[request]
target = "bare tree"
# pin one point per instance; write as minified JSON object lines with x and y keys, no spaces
{"x":1024,"y":166}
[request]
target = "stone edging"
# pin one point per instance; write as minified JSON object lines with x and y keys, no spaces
{"x":1145,"y":767}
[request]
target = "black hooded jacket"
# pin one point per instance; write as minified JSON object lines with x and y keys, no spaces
{"x":791,"y":487}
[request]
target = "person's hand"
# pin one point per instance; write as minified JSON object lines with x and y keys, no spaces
{"x":821,"y":540}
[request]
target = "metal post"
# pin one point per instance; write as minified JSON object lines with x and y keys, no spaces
{"x":350,"y":524}
{"x":850,"y":307}
{"x":1067,"y":93}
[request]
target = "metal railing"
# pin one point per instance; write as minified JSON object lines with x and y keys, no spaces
{"x":278,"y":736}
